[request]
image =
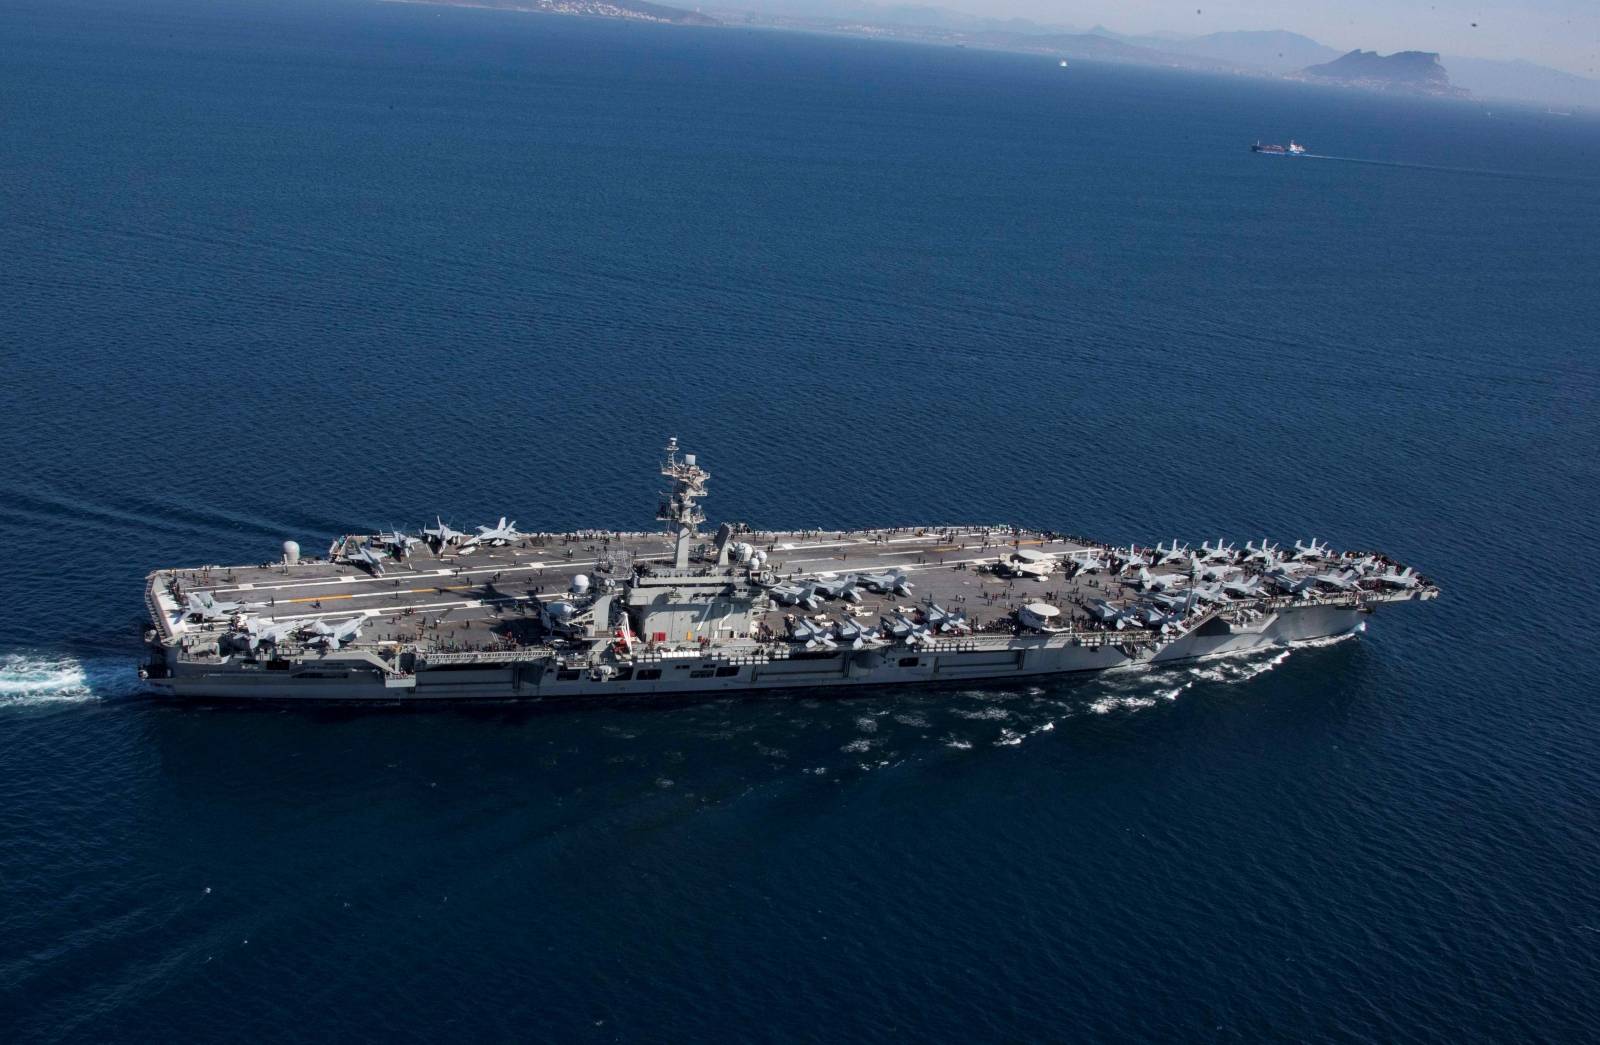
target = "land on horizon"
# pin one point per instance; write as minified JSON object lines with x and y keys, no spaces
{"x":1270,"y":53}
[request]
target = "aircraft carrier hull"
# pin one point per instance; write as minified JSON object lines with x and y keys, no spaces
{"x":691,"y":675}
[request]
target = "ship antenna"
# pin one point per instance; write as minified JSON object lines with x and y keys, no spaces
{"x":678,"y":504}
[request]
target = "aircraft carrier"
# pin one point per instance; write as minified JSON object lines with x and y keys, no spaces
{"x":499,"y":614}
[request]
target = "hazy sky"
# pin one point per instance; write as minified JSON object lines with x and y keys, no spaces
{"x":1563,"y":33}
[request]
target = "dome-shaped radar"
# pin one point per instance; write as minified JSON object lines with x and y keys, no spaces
{"x":580,"y":584}
{"x":291,"y":552}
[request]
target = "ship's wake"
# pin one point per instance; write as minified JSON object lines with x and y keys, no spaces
{"x":34,"y":680}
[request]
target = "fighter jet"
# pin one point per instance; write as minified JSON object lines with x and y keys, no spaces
{"x":856,"y":633}
{"x":1220,"y":553}
{"x":843,"y":588}
{"x":1165,"y":554}
{"x":1125,"y":559}
{"x":1156,"y":619}
{"x":262,"y":633}
{"x":795,"y":595}
{"x":1242,"y":589}
{"x":1171,"y":600}
{"x":1146,"y":581}
{"x":1267,"y":553}
{"x":1406,"y":578}
{"x":1342,"y":580}
{"x":942,"y":620}
{"x":502,"y":533}
{"x":1105,"y":613}
{"x":1086,"y":562}
{"x":332,"y":636}
{"x":397,"y":542}
{"x":362,"y":555}
{"x":1290,"y":584}
{"x":903,"y":627}
{"x":203,"y":606}
{"x":812,"y":634}
{"x":887,"y":583}
{"x":1366,"y":565}
{"x":442,"y":536}
{"x":1210,"y":571}
{"x":1309,"y":551}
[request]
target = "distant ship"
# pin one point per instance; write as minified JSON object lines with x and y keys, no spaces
{"x":1294,"y":148}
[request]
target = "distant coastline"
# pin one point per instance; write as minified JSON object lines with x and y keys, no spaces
{"x":1275,"y":55}
{"x":634,"y":10}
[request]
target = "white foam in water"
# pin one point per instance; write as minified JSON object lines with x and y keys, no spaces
{"x":28,"y":681}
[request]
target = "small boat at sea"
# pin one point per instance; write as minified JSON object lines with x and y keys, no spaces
{"x":1294,"y":148}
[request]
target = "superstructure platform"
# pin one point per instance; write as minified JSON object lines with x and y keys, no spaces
{"x":502,"y":614}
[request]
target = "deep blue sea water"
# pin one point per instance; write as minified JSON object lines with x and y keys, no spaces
{"x":292,"y":270}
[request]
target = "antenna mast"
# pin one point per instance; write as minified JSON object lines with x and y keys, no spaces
{"x":677,"y":505}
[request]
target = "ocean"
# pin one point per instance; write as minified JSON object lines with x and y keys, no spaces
{"x":288,"y":270}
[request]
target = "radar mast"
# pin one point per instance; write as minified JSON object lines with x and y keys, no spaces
{"x":677,"y":505}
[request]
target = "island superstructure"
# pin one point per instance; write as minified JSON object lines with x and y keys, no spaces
{"x":499,"y":614}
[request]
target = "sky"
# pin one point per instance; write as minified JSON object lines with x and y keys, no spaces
{"x":1561,"y":33}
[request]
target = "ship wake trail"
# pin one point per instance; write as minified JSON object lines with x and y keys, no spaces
{"x":1440,"y":168}
{"x":36,"y":680}
{"x":1140,"y":688}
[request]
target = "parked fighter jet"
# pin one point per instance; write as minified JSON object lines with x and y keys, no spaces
{"x":795,"y":595}
{"x":887,"y":582}
{"x":941,"y":620}
{"x":1267,"y":553}
{"x":1289,"y":583}
{"x":812,"y":634}
{"x":1208,"y":571}
{"x":1171,"y":600}
{"x":906,"y":629}
{"x":203,"y":606}
{"x":1220,"y":553}
{"x":1157,"y":619}
{"x":263,"y":633}
{"x":842,"y":588}
{"x":1146,"y":581}
{"x":1406,"y":578}
{"x":856,"y":633}
{"x":1168,"y":554}
{"x":1125,"y":559}
{"x":1086,"y":562}
{"x":358,"y":554}
{"x":1366,"y":565}
{"x":502,"y":533}
{"x":1105,"y":613}
{"x":332,"y":636}
{"x":441,"y":536}
{"x":1242,"y":589}
{"x":1342,"y":580}
{"x":397,"y":542}
{"x":1309,"y":551}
